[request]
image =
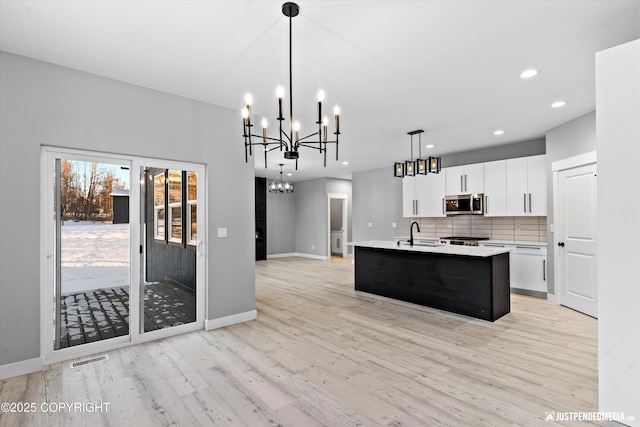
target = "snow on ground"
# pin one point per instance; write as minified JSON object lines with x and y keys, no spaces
{"x":94,"y":255}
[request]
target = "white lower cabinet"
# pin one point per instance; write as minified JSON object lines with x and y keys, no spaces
{"x":527,"y":267}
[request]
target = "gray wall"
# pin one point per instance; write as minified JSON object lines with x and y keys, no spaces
{"x":510,"y":151}
{"x":45,"y":104}
{"x":568,"y":140}
{"x":281,"y":222}
{"x":308,"y":212}
{"x":377,"y":199}
{"x":311,"y":217}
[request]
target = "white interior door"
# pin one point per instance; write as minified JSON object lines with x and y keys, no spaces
{"x":576,"y":248}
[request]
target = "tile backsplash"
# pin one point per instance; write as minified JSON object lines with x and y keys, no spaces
{"x":515,"y":228}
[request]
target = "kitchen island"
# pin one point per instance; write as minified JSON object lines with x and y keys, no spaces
{"x":468,"y":280}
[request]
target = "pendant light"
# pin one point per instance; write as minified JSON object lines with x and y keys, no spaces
{"x":280,"y":185}
{"x":418,"y":166}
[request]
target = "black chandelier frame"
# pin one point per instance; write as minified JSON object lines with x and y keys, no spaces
{"x":289,"y":143}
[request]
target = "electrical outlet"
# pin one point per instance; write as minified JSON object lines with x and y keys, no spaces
{"x":313,"y":246}
{"x":393,"y":225}
{"x":222,"y":232}
{"x":370,"y":225}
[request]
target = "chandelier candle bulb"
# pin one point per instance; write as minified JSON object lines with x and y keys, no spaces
{"x":336,"y":112}
{"x":280,"y":95}
{"x":325,"y":125}
{"x":264,"y":130}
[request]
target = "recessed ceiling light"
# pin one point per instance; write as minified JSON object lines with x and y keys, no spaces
{"x":527,"y":74}
{"x":558,"y":104}
{"x":499,"y":132}
{"x":430,"y":146}
{"x":345,"y":163}
{"x":289,"y":174}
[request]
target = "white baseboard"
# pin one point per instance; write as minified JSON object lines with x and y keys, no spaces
{"x":221,"y":322}
{"x":320,"y":257}
{"x":298,"y":254}
{"x":20,"y":368}
{"x":281,"y":255}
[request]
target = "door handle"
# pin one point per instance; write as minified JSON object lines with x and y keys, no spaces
{"x":529,"y":202}
{"x":199,"y":246}
{"x":561,"y":244}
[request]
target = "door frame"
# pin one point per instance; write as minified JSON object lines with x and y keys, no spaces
{"x":557,"y":167}
{"x":136,"y":217}
{"x":345,"y":223}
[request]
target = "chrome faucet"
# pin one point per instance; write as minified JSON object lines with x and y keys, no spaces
{"x":411,"y":232}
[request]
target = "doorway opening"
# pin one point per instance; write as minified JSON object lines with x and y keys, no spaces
{"x":337,"y":225}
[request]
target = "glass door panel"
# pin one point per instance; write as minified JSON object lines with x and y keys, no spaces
{"x":92,"y":251}
{"x":170,"y":236}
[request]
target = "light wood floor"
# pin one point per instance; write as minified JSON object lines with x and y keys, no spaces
{"x":320,"y":354}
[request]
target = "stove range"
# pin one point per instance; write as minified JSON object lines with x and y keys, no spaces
{"x":461,"y":240}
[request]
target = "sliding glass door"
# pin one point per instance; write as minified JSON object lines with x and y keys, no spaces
{"x":123,"y":251}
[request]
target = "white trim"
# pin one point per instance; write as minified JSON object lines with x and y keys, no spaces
{"x":233,"y":319}
{"x":22,"y":367}
{"x":320,"y":257}
{"x":281,"y":255}
{"x":298,"y":254}
{"x":572,"y":162}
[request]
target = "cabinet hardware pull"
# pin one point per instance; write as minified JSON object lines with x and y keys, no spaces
{"x":461,"y":187}
{"x":529,"y":202}
{"x":524,"y":201}
{"x":443,"y":206}
{"x":486,"y":204}
{"x":544,"y":269}
{"x":465,"y":182}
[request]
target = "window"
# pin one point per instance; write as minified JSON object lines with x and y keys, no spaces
{"x":175,"y":206}
{"x":192,"y":206}
{"x":159,"y":208}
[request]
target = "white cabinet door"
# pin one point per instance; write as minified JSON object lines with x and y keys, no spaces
{"x":537,"y":185}
{"x":517,"y":186}
{"x":408,"y":196}
{"x":422,"y":199}
{"x":437,"y":191}
{"x":454,"y":180}
{"x":474,"y":178}
{"x":495,"y":188}
{"x":528,"y":272}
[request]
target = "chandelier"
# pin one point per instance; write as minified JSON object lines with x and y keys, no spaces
{"x":419,"y":166}
{"x":289,"y":142}
{"x":280,"y":185}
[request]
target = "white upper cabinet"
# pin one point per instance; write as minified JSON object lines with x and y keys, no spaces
{"x":467,"y":179}
{"x":526,"y":186}
{"x":537,"y":185}
{"x":495,"y":188}
{"x":436,"y":193}
{"x":414,"y":196}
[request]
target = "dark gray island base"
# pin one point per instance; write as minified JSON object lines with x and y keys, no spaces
{"x":476,"y":286}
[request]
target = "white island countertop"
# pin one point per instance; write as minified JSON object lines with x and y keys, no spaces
{"x":443,"y":249}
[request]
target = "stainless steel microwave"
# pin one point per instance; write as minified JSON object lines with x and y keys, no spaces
{"x":464,"y":204}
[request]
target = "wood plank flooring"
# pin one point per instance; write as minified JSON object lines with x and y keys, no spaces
{"x":320,"y":354}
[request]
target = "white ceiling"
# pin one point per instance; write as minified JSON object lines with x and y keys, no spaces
{"x":449,"y":67}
